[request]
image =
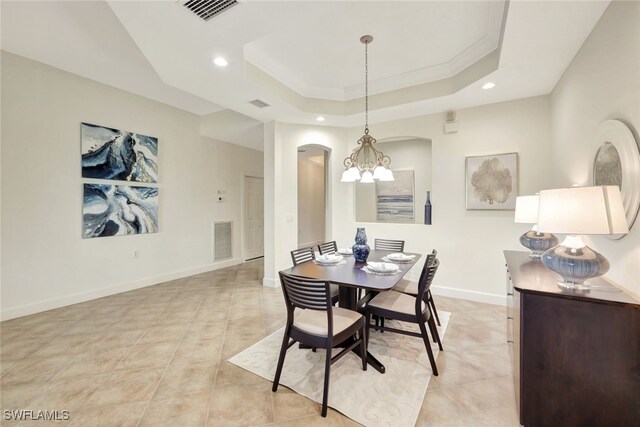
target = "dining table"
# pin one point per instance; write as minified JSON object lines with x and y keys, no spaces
{"x":351,"y":277}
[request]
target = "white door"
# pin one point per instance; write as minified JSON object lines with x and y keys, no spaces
{"x":253,"y":217}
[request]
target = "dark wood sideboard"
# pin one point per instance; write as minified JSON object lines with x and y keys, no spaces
{"x":576,"y":355}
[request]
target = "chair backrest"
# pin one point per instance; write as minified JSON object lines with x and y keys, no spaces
{"x":431,"y":257}
{"x":307,"y":294}
{"x":389,"y":245}
{"x":304,"y":293}
{"x":426,"y":278}
{"x":328,"y":248}
{"x":302,"y":255}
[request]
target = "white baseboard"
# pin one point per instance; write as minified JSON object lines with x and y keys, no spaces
{"x":50,"y":304}
{"x":483,"y":297}
{"x":270,"y":283}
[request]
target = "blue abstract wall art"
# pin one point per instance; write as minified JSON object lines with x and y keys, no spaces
{"x":118,"y":155}
{"x":395,"y":198}
{"x":115,"y":210}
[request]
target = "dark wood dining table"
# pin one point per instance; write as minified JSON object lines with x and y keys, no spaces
{"x":350,"y":277}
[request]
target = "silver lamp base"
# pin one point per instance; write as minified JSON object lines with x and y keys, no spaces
{"x":575,"y":262}
{"x":538,"y":242}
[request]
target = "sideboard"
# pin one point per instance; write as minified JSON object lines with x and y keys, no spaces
{"x":575,"y":354}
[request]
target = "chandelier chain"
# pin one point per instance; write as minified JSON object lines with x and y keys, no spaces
{"x":366,"y":88}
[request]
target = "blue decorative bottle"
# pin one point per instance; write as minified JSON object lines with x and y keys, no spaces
{"x":361,"y":249}
{"x":427,"y":209}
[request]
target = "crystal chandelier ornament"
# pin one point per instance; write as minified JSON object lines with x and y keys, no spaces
{"x":365,"y":162}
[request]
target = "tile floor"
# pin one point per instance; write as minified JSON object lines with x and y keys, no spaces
{"x":157,"y":356}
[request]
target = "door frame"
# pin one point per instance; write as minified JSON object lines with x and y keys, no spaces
{"x":328,"y":188}
{"x":243,"y":178}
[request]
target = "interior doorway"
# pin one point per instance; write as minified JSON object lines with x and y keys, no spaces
{"x":312,"y":195}
{"x":253,"y":217}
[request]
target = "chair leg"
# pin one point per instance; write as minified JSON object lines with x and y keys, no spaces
{"x":283,"y":352}
{"x":431,"y":328}
{"x":363,"y":344}
{"x":427,"y":344}
{"x":433,"y":307}
{"x":327,"y":372}
{"x":435,"y":334}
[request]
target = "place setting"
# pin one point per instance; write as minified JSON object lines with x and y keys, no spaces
{"x":329,"y":260}
{"x":381,"y":268}
{"x":398,"y":257}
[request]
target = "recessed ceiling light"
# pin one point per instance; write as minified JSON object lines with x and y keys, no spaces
{"x":320,"y":119}
{"x":220,"y":61}
{"x":488,"y":85}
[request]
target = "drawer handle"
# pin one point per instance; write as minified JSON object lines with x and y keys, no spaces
{"x":510,"y":341}
{"x":509,"y":294}
{"x":509,"y":317}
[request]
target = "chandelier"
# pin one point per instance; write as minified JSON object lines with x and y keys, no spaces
{"x":365,"y":162}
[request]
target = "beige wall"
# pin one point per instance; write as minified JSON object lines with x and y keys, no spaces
{"x":45,"y":262}
{"x":280,"y":188}
{"x":405,"y":154}
{"x":470,"y":243}
{"x":602,"y":82}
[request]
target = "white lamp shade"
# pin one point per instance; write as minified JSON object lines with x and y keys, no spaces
{"x":582,"y":210}
{"x":387,"y":176}
{"x":347,"y":176}
{"x":355,"y":173}
{"x":526,"y":210}
{"x":379,"y":172}
{"x":367,"y":177}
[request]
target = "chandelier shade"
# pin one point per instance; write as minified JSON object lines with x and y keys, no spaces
{"x":366,"y":163}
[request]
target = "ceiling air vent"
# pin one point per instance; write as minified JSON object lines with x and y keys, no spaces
{"x":259,"y":103}
{"x":207,"y":9}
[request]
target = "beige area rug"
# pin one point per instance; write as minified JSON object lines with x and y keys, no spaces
{"x":370,"y":398}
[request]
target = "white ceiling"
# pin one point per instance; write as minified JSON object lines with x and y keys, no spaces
{"x":305,"y":57}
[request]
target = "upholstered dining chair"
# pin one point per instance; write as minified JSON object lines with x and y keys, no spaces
{"x":313,"y":321}
{"x":406,"y":308}
{"x":388,"y":245}
{"x":301,"y":255}
{"x":328,"y":248}
{"x":411,"y":288}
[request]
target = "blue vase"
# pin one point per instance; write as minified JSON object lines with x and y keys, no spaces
{"x":361,"y":249}
{"x":427,"y":209}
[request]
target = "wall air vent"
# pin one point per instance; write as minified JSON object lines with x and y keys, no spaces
{"x":259,"y":103}
{"x":222,"y":240}
{"x":207,"y":9}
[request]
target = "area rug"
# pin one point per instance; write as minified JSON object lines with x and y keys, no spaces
{"x":369,"y":398}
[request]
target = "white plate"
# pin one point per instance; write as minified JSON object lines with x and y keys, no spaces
{"x":345,"y":251}
{"x":399,"y":256}
{"x":328,"y":259}
{"x":382,"y":267}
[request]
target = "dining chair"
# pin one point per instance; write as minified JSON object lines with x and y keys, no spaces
{"x":406,"y":308}
{"x":301,"y":255}
{"x":313,"y":321}
{"x":307,"y":254}
{"x":328,"y":248}
{"x":411,"y":288}
{"x":389,"y":245}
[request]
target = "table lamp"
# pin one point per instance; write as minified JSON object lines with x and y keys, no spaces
{"x":575,"y":211}
{"x":535,"y":241}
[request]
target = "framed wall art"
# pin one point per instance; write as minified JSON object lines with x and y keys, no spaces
{"x":115,"y":154}
{"x":492,"y":182}
{"x":116,"y":210}
{"x":394,"y":199}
